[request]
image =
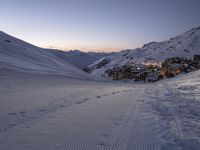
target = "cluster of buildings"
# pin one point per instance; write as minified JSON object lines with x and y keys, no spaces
{"x":152,"y":72}
{"x":175,"y":65}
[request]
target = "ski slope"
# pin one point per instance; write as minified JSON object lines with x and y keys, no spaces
{"x":19,"y":56}
{"x":54,"y":112}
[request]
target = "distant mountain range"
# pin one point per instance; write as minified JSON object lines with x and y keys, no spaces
{"x":18,"y":55}
{"x":79,"y":58}
{"x":185,"y":45}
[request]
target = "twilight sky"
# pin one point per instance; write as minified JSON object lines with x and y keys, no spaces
{"x":100,"y":25}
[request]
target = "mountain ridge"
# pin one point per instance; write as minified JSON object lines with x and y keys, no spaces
{"x":20,"y":56}
{"x":79,"y":58}
{"x":184,"y":45}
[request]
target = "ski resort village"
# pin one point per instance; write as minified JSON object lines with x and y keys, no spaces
{"x":152,"y":71}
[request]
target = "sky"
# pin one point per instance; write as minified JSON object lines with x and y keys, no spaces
{"x":97,"y":25}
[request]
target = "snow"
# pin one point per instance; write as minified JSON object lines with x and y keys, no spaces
{"x":47,"y":103}
{"x":185,"y":45}
{"x":45,"y":111}
{"x":17,"y":55}
{"x":176,"y":104}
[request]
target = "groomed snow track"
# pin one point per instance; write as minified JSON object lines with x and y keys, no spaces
{"x":107,"y":121}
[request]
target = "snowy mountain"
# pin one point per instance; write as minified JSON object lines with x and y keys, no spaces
{"x":85,"y":113}
{"x":17,"y":55}
{"x":78,"y":58}
{"x":185,"y":45}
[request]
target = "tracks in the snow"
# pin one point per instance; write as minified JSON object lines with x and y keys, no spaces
{"x":144,"y":135}
{"x":111,"y":121}
{"x":137,"y":131}
{"x":27,"y":117}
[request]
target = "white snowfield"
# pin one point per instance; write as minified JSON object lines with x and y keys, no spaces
{"x":51,"y":112}
{"x":20,"y":56}
{"x":185,"y":45}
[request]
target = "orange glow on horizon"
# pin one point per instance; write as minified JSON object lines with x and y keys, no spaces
{"x":87,"y":49}
{"x":82,"y":47}
{"x":59,"y":44}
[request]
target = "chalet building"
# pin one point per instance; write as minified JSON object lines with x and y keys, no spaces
{"x":117,"y":74}
{"x":139,"y":71}
{"x":154,"y":74}
{"x":141,"y":76}
{"x":123,"y":72}
{"x":171,"y":70}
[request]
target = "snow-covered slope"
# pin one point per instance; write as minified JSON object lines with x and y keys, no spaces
{"x":176,"y":103}
{"x":56,"y":112}
{"x":185,"y":45}
{"x":78,"y":58}
{"x":17,"y":55}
